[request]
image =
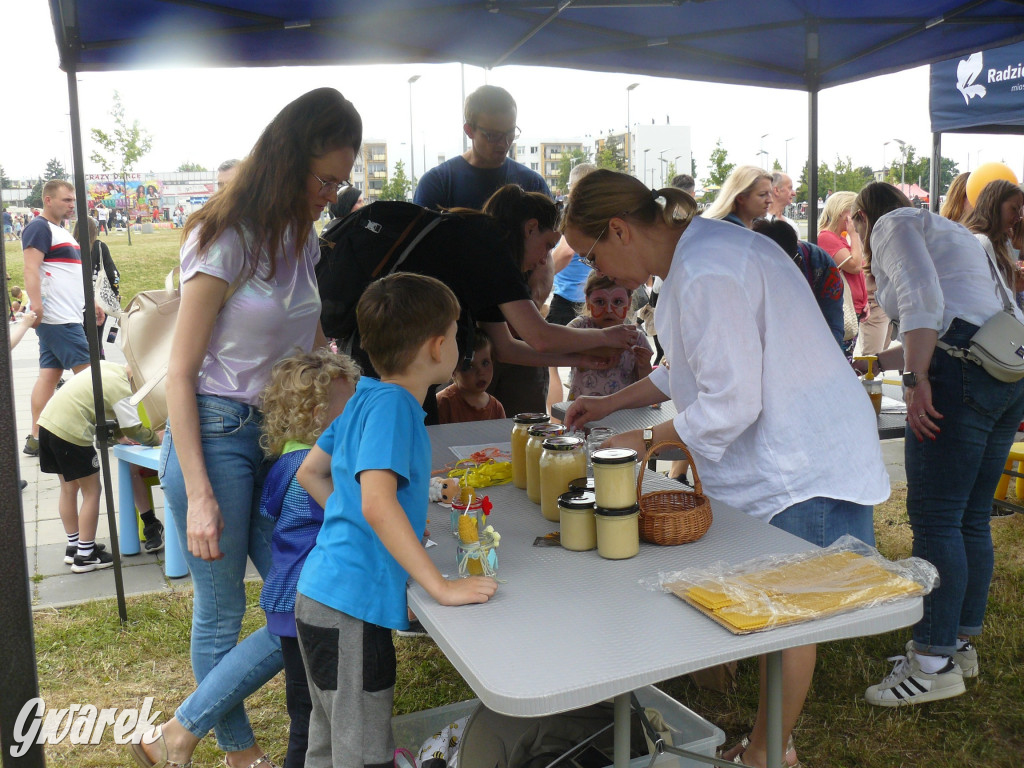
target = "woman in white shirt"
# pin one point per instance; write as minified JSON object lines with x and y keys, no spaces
{"x":756,"y":378}
{"x":938,"y":281}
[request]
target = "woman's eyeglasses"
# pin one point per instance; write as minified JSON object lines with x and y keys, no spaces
{"x":592,"y":261}
{"x":331,"y":187}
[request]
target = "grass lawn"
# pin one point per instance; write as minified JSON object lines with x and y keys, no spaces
{"x":85,"y":656}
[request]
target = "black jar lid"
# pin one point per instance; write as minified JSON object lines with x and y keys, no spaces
{"x":613,"y":456}
{"x":620,"y":512}
{"x":565,"y":443}
{"x":550,"y":430}
{"x":577,"y":500}
{"x":582,"y":484}
{"x":531,"y":418}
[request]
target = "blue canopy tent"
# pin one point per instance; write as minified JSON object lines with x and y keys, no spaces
{"x":800,"y":44}
{"x":979,"y":92}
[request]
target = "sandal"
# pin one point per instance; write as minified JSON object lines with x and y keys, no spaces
{"x":144,"y":761}
{"x":263,"y":761}
{"x":745,"y":742}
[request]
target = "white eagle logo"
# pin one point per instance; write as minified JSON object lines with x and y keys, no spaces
{"x":967,"y":71}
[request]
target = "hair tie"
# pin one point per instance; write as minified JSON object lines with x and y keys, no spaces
{"x":655,"y":195}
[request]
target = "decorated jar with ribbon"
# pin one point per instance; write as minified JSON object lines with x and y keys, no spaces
{"x":521,"y":424}
{"x":477,"y":508}
{"x":476,"y":554}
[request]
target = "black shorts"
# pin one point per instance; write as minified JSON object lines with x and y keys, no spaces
{"x":59,"y":457}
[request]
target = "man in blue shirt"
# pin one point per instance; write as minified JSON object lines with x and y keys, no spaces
{"x":468,"y":180}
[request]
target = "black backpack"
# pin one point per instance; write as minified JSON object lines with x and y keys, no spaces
{"x":370,"y":243}
{"x":365,"y":245}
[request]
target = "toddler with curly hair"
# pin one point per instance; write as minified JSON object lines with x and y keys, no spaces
{"x":306,"y":392}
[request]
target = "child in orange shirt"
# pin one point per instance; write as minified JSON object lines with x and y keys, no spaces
{"x":467,"y":399}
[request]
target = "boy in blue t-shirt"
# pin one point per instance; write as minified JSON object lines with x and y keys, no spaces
{"x":370,"y":471}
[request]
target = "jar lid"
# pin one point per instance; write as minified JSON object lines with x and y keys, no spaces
{"x":531,"y":418}
{"x":613,"y":456}
{"x":564,"y":443}
{"x":582,"y":484}
{"x":577,"y":500}
{"x":552,"y":430}
{"x":622,"y":511}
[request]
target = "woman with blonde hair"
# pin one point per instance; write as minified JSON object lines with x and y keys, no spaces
{"x":956,"y":206}
{"x":248,"y":299}
{"x":745,"y":196}
{"x":942,"y":286}
{"x":755,"y":372}
{"x":838,"y":239}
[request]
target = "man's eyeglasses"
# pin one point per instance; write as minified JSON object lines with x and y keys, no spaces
{"x":499,"y":137}
{"x":331,"y":187}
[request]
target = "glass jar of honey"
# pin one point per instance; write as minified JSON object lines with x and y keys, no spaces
{"x":521,"y":424}
{"x":577,"y":526}
{"x":563,"y":460}
{"x":618,"y":532}
{"x":614,"y":477}
{"x":534,"y":447}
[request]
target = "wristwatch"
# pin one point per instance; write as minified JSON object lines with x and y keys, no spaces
{"x":648,"y":438}
{"x":911,"y":379}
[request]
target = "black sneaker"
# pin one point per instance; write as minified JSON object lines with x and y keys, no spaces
{"x":72,"y":550}
{"x":31,"y":446}
{"x":98,"y":560}
{"x":415,"y":630}
{"x":154,"y":533}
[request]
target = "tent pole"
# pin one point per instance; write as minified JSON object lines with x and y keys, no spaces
{"x":104,"y":429}
{"x":18,"y":659}
{"x":811,"y":67}
{"x":934,"y":174}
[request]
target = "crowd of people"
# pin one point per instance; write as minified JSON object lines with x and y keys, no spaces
{"x":315,"y":465}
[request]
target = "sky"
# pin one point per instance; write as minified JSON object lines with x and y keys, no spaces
{"x":206,"y":116}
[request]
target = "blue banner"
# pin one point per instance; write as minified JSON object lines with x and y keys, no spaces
{"x":982,"y":92}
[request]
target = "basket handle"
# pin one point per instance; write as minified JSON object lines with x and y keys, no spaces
{"x":653,"y":451}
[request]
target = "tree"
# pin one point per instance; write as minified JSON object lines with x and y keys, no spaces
{"x":121,"y":148}
{"x":670,"y":172}
{"x":189,"y":166}
{"x":776,"y":166}
{"x":718,"y":166}
{"x":611,"y":155}
{"x":948,"y":170}
{"x":693,"y":166}
{"x":569,"y":160}
{"x":55,"y":170}
{"x":35,"y":197}
{"x":5,"y":183}
{"x":398,"y":187}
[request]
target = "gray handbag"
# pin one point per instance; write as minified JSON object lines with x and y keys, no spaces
{"x":998,"y":346}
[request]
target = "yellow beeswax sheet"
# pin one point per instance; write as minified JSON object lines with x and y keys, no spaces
{"x":811,"y":588}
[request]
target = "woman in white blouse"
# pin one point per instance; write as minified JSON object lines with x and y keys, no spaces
{"x":756,"y":378}
{"x":942,"y":286}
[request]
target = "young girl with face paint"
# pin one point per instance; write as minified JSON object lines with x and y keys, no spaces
{"x":608,"y":305}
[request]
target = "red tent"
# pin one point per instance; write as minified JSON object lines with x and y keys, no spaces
{"x":912,"y":191}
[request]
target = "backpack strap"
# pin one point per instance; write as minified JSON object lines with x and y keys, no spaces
{"x":412,"y":245}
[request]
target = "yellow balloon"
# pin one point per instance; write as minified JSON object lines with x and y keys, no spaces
{"x":982,"y":175}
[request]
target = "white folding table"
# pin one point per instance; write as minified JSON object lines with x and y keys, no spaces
{"x":569,"y":629}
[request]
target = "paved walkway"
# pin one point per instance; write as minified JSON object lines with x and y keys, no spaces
{"x":53,"y":583}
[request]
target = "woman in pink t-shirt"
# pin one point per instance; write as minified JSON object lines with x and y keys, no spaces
{"x":838,"y":238}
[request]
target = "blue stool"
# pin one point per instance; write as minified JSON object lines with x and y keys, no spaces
{"x":128,"y":519}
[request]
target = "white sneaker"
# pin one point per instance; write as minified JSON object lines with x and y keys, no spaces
{"x":909,"y":684}
{"x":966,"y":658}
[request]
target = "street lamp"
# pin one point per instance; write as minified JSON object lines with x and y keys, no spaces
{"x":629,"y":142}
{"x":786,"y":143}
{"x":762,"y":152}
{"x":645,"y":163}
{"x":412,"y":147}
{"x":661,"y":163}
{"x":903,"y":161}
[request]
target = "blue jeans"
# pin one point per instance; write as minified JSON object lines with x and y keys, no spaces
{"x":821,"y":520}
{"x":950,"y":482}
{"x":226,"y":671}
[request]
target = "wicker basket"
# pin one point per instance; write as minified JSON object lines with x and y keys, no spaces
{"x":672,"y":517}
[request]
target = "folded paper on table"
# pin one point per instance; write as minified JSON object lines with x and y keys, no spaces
{"x":496,"y":451}
{"x":775,"y":591}
{"x":892,"y":405}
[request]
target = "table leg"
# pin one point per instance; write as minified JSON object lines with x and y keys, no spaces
{"x":128,"y":536}
{"x":621,"y":731}
{"x":174,"y":557}
{"x":774,"y":743}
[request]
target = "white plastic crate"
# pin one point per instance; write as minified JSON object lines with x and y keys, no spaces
{"x":690,"y":731}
